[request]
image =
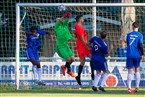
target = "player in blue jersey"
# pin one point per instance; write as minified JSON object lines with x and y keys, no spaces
{"x":135,"y":54}
{"x":99,"y":51}
{"x":32,"y":47}
{"x":121,"y":52}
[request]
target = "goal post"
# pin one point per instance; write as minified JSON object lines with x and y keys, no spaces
{"x":94,"y":19}
{"x":17,"y":46}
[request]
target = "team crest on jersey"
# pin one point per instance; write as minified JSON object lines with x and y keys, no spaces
{"x":35,"y":37}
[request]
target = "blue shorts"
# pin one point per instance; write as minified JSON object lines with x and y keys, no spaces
{"x":132,"y":63}
{"x":30,"y":53}
{"x":99,"y":66}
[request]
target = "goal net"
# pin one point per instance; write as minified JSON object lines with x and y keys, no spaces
{"x":105,"y":17}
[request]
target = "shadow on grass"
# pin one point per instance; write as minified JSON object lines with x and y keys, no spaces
{"x":111,"y":91}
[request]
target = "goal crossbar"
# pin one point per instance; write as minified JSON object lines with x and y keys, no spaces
{"x":82,"y":4}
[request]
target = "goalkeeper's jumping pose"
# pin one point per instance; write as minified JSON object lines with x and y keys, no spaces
{"x":33,"y":45}
{"x":63,"y":36}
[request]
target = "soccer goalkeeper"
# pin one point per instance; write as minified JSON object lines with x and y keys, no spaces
{"x":63,"y":36}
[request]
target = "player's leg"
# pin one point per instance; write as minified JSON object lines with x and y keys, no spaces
{"x":65,"y":52}
{"x":104,"y":68}
{"x":104,"y":78}
{"x":96,"y":80}
{"x":34,"y":67}
{"x":31,"y":58}
{"x":129,"y":80}
{"x":39,"y":72}
{"x":68,"y":66}
{"x":38,"y":69}
{"x":68,"y":63}
{"x":137,"y":79}
{"x":69,"y":59}
{"x":78,"y":77}
{"x":61,"y":52}
{"x":82,"y":55}
{"x":92,"y":71}
{"x":82,"y":62}
{"x":137,"y":73}
{"x":130,"y":67}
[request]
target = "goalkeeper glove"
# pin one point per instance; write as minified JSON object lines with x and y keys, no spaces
{"x":67,"y":14}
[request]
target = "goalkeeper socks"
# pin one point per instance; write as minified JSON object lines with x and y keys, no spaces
{"x":96,"y":79}
{"x":92,"y":71}
{"x":137,"y":76}
{"x":80,"y":70}
{"x":39,"y":73}
{"x":129,"y":80}
{"x":67,"y":65}
{"x":104,"y":79}
{"x":34,"y":68}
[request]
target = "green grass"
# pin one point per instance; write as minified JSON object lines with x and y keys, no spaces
{"x":70,"y":92}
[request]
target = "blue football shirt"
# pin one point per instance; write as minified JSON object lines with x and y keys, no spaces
{"x":99,"y":49}
{"x":133,"y":41}
{"x":34,"y":41}
{"x":121,"y":52}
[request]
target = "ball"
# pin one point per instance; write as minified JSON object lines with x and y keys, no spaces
{"x":61,"y":7}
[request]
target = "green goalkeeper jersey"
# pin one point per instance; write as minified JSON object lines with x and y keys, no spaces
{"x":62,"y":32}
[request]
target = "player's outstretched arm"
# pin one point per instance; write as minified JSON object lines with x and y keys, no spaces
{"x":30,"y":33}
{"x":43,"y":32}
{"x":66,"y":15}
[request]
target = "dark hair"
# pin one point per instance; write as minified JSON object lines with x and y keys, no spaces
{"x":33,"y":28}
{"x":135,"y":25}
{"x":78,"y":17}
{"x":103,"y":34}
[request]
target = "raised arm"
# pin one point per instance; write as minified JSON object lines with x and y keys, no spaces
{"x":66,"y":16}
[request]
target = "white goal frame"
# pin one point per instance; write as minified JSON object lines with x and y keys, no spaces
{"x":94,"y":5}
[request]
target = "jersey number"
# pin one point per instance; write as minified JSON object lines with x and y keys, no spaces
{"x":132,"y":40}
{"x":96,"y":47}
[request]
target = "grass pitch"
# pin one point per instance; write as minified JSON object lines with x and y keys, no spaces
{"x":70,"y":92}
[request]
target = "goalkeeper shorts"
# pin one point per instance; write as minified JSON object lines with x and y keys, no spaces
{"x":64,"y":51}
